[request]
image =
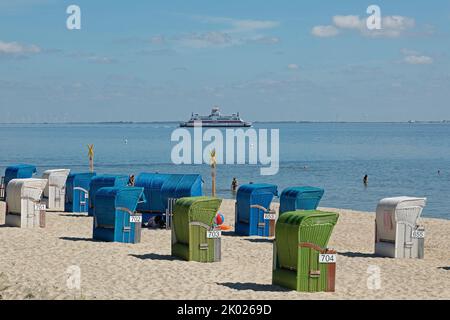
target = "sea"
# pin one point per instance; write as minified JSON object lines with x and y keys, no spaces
{"x":411,"y":159}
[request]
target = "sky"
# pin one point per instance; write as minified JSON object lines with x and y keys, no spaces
{"x":269,"y":60}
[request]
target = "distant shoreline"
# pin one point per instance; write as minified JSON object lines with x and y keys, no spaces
{"x":255,"y":122}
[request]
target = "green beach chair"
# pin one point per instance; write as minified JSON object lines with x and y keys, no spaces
{"x":192,"y":218}
{"x":301,"y":260}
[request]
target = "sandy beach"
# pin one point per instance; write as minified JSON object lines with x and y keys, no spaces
{"x":34,"y":264}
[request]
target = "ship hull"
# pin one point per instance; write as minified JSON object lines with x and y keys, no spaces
{"x":216,"y":124}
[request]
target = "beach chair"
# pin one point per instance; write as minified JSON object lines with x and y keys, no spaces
{"x":101,"y":181}
{"x":301,"y":260}
{"x":19,"y":171}
{"x":300,"y":198}
{"x":77,"y":192}
{"x":115,"y":219}
{"x":55,"y":190}
{"x":397,"y":230}
{"x":176,"y":187}
{"x":253,"y":208}
{"x":23,"y":203}
{"x":161,"y":190}
{"x":2,"y":189}
{"x":194,"y":237}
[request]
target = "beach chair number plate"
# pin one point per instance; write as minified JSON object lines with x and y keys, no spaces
{"x":214,"y":234}
{"x":136,"y":219}
{"x":270,"y":216}
{"x":40,"y":207}
{"x":418,"y":234}
{"x":327,"y":258}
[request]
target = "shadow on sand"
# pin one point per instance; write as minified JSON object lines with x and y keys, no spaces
{"x":230,"y":234}
{"x":260,"y":240}
{"x":154,"y":256}
{"x":359,"y":255}
{"x":79,"y":239}
{"x":445,"y":268}
{"x":253,"y":286}
{"x":74,"y":215}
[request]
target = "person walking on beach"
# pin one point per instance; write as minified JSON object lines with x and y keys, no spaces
{"x":234,"y":184}
{"x":366,"y":180}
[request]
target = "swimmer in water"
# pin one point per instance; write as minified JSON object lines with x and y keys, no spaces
{"x":234,"y":185}
{"x":366,"y":180}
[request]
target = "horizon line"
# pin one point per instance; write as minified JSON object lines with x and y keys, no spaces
{"x":177,"y":122}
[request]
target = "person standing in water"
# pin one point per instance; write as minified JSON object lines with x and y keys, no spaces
{"x":234,"y":185}
{"x":366,"y":180}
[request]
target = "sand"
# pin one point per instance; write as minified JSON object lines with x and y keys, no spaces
{"x":34,"y":264}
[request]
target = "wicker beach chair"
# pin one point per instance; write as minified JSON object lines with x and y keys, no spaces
{"x":252,"y":207}
{"x":301,"y":259}
{"x":77,"y":192}
{"x":101,"y":181}
{"x":193,"y":219}
{"x":115,"y":219}
{"x":55,"y":190}
{"x":397,"y":230}
{"x":23,"y":202}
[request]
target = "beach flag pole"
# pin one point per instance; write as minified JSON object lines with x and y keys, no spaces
{"x":91,"y":157}
{"x":213,"y":163}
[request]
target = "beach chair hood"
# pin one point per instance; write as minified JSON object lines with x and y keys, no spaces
{"x":300,"y":198}
{"x":152,"y":184}
{"x":102,"y":181}
{"x":56,"y":178}
{"x":19,"y":171}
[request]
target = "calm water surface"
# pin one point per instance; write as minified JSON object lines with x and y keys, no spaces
{"x":400,"y":159}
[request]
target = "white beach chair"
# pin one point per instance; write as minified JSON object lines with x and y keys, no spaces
{"x":397,"y":232}
{"x":23,"y":202}
{"x":55,"y":190}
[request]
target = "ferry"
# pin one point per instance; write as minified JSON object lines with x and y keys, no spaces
{"x":216,"y":119}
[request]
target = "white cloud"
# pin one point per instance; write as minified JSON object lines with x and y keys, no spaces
{"x":348,"y":22}
{"x":92,"y":58}
{"x":391,"y":26}
{"x":240,"y":25}
{"x":325,"y":31}
{"x":409,"y":52}
{"x":264,"y":40}
{"x":253,"y":25}
{"x":398,"y":23}
{"x":15,"y":48}
{"x":418,"y":59}
{"x":157,"y":39}
{"x":293,"y":66}
{"x":415,"y":57}
{"x":101,"y":60}
{"x":205,"y":40}
{"x":234,"y":32}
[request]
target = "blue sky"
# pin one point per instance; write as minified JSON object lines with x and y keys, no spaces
{"x":270,"y":60}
